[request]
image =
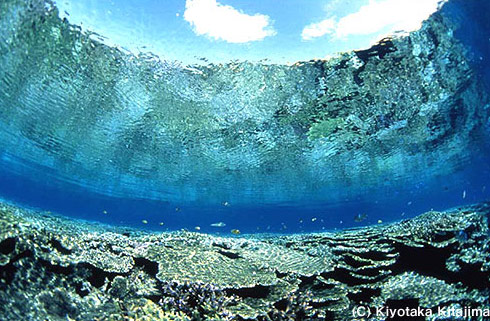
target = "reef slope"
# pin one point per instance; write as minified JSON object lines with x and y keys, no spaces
{"x":54,"y":268}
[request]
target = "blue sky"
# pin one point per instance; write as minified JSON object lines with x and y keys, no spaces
{"x":281,"y":31}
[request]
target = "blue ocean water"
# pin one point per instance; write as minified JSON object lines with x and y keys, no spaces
{"x":100,"y":139}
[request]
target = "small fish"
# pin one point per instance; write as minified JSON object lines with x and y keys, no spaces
{"x":219,"y":224}
{"x":380,"y":221}
{"x":464,"y":194}
{"x":360,"y":217}
{"x":197,"y":228}
{"x":313,"y":219}
{"x":226,"y":204}
{"x":104,"y":211}
{"x":144,"y":221}
{"x":235,"y":231}
{"x":161,"y":223}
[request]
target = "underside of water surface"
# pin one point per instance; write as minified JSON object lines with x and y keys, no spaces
{"x":101,"y":133}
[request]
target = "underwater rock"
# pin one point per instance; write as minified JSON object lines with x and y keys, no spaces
{"x":55,"y":268}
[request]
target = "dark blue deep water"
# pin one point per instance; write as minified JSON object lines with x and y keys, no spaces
{"x":117,"y":139}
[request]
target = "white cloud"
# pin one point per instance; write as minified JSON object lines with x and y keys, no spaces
{"x":319,"y":29}
{"x":393,"y":15}
{"x":223,"y":22}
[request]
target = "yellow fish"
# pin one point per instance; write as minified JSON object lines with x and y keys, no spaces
{"x":235,"y":231}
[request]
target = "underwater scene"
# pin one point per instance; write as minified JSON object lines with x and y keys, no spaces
{"x":244,"y":160}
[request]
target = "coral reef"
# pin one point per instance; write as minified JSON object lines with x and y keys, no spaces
{"x":55,"y":268}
